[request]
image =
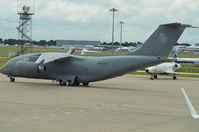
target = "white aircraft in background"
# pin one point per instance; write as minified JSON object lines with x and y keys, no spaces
{"x":171,"y":67}
{"x":164,"y":68}
{"x":187,"y":60}
{"x":175,"y":53}
{"x":190,"y":106}
{"x":6,"y":57}
{"x":129,"y":49}
{"x":88,"y":51}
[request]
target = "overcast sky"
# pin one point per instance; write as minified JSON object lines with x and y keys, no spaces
{"x":91,"y":19}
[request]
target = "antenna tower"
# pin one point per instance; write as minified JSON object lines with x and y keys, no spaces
{"x":25,"y":11}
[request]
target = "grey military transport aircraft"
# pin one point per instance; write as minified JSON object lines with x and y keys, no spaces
{"x":75,"y":69}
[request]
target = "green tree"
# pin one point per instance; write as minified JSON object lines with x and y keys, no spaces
{"x":11,"y":41}
{"x":1,"y":40}
{"x":42,"y":42}
{"x":116,"y":43}
{"x":51,"y":42}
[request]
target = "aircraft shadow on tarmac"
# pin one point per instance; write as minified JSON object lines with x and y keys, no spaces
{"x":123,"y":89}
{"x":55,"y":85}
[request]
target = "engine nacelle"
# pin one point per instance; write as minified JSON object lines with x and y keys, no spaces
{"x":23,"y":67}
{"x":147,"y":70}
{"x":41,"y":68}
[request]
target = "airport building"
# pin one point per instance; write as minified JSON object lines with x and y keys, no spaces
{"x":76,"y":43}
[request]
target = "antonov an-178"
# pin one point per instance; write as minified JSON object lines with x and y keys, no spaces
{"x":75,"y":69}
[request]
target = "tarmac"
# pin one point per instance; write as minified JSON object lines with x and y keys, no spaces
{"x":130,"y":103}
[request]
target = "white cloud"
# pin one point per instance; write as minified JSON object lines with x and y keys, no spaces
{"x":68,"y":11}
{"x":90,"y":19}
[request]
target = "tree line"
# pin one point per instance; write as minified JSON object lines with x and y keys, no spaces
{"x":53,"y":43}
{"x":19,"y":42}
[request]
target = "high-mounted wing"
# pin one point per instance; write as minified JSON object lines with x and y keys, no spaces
{"x":190,"y":106}
{"x":49,"y":57}
{"x":55,"y":57}
{"x":71,"y":51}
{"x":52,"y":56}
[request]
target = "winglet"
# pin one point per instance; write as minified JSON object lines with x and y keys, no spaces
{"x":71,"y":51}
{"x":190,"y":106}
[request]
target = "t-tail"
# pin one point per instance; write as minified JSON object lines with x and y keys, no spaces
{"x":161,"y":42}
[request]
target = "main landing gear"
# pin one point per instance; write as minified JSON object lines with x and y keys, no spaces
{"x":72,"y":83}
{"x":154,"y":77}
{"x":62,"y":83}
{"x":174,"y":77}
{"x":85,"y":83}
{"x":69,"y":83}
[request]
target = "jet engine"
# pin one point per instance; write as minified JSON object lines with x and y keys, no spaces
{"x":177,"y":65}
{"x":23,"y":67}
{"x":41,"y":68}
{"x":147,"y":70}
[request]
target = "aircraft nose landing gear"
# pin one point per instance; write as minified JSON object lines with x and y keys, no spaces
{"x":12,"y":79}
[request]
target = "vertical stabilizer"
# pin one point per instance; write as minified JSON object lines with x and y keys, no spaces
{"x":161,"y":42}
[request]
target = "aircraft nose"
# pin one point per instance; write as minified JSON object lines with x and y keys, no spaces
{"x":4,"y":70}
{"x":1,"y":70}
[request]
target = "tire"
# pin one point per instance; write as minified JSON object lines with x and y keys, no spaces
{"x":155,"y":77}
{"x":62,"y":83}
{"x":85,"y":83}
{"x":70,"y":83}
{"x":73,"y":84}
{"x":12,"y":79}
{"x":174,"y":77}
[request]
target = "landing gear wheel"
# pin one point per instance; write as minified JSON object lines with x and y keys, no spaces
{"x":12,"y":79}
{"x":70,"y":83}
{"x":76,"y":84}
{"x":155,"y":77}
{"x":174,"y":77}
{"x":85,"y":83}
{"x":73,"y":84}
{"x":62,"y":83}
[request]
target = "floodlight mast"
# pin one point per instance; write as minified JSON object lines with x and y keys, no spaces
{"x":121,"y":23}
{"x":113,"y":10}
{"x":25,"y":25}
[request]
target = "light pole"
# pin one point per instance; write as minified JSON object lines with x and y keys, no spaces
{"x":113,"y":10}
{"x":121,"y":22}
